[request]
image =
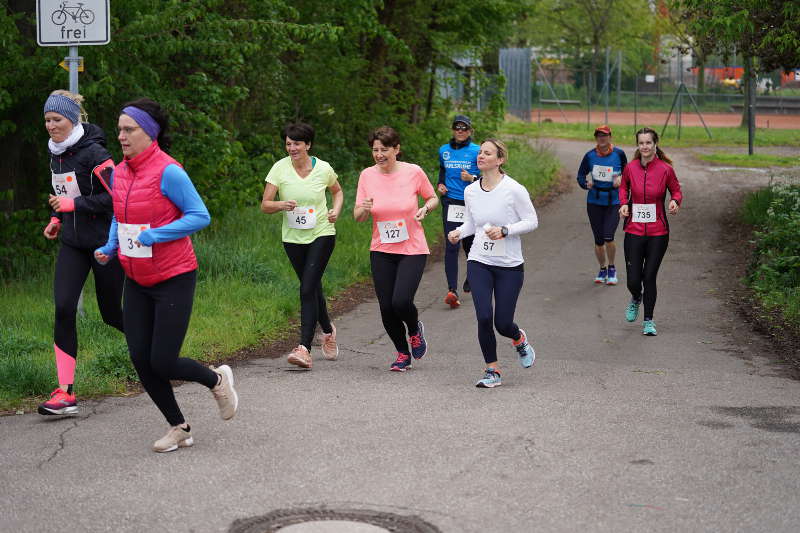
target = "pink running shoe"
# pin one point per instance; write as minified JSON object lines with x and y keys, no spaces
{"x":300,"y":357}
{"x":60,"y":403}
{"x":330,"y":350}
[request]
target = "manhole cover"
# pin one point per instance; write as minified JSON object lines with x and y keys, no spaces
{"x":331,"y":521}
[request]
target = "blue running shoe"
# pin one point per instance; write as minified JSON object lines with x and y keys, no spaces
{"x":632,"y":311}
{"x":649,"y":328}
{"x":602,"y":276}
{"x":402,"y":363}
{"x":612,"y":276}
{"x":527,"y":356}
{"x":491,"y":379}
{"x":418,"y":345}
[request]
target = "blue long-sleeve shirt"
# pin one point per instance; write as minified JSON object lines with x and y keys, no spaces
{"x":178,"y":187}
{"x":601,"y":193}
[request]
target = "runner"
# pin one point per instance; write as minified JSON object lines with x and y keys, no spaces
{"x":156,"y":208}
{"x":308,"y":232}
{"x":498,"y":211}
{"x":81,"y":217}
{"x":458,"y":168}
{"x":600,"y":172}
{"x":645,"y":182}
{"x":388,"y":192}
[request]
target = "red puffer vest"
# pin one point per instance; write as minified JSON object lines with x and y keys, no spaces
{"x":138,"y":200}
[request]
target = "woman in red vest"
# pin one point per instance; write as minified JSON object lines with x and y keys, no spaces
{"x":156,"y":208}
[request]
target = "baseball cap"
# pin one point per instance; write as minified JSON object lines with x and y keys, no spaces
{"x":462,"y":118}
{"x":602,"y":129}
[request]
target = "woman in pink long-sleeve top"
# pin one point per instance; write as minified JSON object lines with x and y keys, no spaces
{"x":645,"y":182}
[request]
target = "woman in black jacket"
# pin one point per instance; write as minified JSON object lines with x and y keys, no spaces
{"x":80,"y":167}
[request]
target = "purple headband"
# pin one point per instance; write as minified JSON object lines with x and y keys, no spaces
{"x":144,"y":120}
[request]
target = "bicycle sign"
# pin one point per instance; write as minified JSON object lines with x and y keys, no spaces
{"x":78,"y":13}
{"x":72,"y":22}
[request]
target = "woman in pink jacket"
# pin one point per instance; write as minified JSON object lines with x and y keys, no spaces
{"x":644,"y":186}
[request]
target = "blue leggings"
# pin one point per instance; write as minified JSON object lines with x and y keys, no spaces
{"x":505,"y":283}
{"x":450,"y":249}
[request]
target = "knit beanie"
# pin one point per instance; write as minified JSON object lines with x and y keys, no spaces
{"x":66,"y":107}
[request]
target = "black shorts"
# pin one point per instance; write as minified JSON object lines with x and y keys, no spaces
{"x":604,"y":220}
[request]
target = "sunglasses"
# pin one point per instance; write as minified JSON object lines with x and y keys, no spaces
{"x":460,"y":127}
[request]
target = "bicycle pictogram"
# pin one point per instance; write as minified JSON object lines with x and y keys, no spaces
{"x":78,"y":13}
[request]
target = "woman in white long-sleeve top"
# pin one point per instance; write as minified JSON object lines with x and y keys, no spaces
{"x":498,"y":210}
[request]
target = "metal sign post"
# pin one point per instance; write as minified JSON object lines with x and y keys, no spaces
{"x":61,"y":23}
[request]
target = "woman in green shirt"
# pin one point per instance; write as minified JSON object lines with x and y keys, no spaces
{"x":308,"y":232}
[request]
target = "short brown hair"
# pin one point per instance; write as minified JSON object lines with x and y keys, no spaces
{"x":387,"y":135}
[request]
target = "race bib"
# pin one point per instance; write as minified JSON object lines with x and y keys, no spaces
{"x":489,"y":248}
{"x":302,"y":217}
{"x":393,"y":231}
{"x":644,"y":213}
{"x":127,"y":234}
{"x":601,"y":173}
{"x":66,"y":185}
{"x":455,"y":213}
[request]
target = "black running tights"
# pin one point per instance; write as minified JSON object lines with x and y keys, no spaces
{"x":309,"y":262}
{"x":396,"y":278}
{"x":156,"y":320}
{"x":72,"y":268}
{"x":505,"y":285}
{"x":643,"y":257}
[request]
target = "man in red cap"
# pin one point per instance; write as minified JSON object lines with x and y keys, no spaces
{"x":599,"y":173}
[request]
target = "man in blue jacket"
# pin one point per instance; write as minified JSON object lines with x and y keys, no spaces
{"x":458,"y":167}
{"x":600,"y":174}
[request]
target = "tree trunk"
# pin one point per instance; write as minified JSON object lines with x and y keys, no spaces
{"x":701,"y":74}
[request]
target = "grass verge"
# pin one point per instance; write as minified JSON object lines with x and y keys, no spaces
{"x":690,"y":136}
{"x":755,"y":160}
{"x":775,"y":271}
{"x":247,"y":293}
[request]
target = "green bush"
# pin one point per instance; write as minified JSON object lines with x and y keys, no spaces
{"x":775,"y":274}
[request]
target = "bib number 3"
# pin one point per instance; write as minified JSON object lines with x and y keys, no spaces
{"x":128,"y":234}
{"x":644,"y":213}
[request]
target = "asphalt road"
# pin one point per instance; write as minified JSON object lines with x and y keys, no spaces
{"x":693,"y":430}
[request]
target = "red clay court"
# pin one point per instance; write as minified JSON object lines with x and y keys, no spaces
{"x":718,"y":120}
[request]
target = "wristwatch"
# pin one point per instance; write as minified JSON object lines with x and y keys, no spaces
{"x":504,"y":231}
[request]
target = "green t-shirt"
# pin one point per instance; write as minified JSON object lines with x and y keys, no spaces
{"x":309,"y":193}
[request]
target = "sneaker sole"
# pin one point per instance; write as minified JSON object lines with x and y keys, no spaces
{"x":182,"y":444}
{"x":398,"y":369}
{"x":482,"y":385}
{"x":330,"y":357}
{"x":225,"y":369}
{"x":72,"y":410}
{"x":649,"y":334}
{"x":611,"y":282}
{"x":599,"y":281}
